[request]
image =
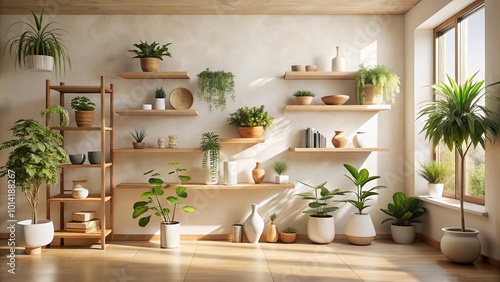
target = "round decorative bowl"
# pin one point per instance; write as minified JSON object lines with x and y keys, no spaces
{"x":335,"y":99}
{"x":79,"y":193}
{"x":77,"y":159}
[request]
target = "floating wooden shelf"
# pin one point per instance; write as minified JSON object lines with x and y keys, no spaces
{"x":85,"y":165}
{"x":188,"y":112}
{"x":156,"y":150}
{"x":199,"y":186}
{"x":241,"y":140}
{"x":95,"y":234}
{"x":338,"y":108}
{"x":321,"y":75}
{"x":338,"y":150}
{"x":69,"y":198}
{"x":71,"y":128}
{"x":154,"y":75}
{"x":79,"y":89}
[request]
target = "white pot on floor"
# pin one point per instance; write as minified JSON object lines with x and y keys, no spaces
{"x":360,"y":229}
{"x":170,"y":235}
{"x":33,"y":236}
{"x":460,"y":247}
{"x":321,"y":230}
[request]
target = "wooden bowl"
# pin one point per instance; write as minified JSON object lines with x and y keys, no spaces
{"x":335,"y":99}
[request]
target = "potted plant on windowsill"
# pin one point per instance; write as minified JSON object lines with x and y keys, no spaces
{"x":459,"y":120}
{"x":251,"y":122}
{"x":359,"y":229}
{"x":281,"y":167}
{"x":139,"y":136}
{"x":288,"y":235}
{"x":376,"y":85}
{"x":211,"y":156}
{"x":404,"y":212}
{"x":39,"y":47}
{"x":303,"y":97}
{"x":435,"y":173}
{"x":150,"y":55}
{"x":84,"y":111}
{"x":35,"y":160}
{"x":320,"y":225}
{"x":169,"y":227}
{"x":214,"y":87}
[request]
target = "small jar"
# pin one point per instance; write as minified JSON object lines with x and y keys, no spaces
{"x":161,"y":143}
{"x":173,"y":142}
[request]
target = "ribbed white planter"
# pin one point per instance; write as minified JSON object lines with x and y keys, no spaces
{"x":403,"y":234}
{"x":360,"y":229}
{"x":435,"y":190}
{"x":321,"y":230}
{"x":460,"y":247}
{"x":160,"y":104}
{"x":34,"y":236}
{"x":170,"y":235}
{"x":39,"y":63}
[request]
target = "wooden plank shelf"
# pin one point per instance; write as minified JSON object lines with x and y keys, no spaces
{"x":187,"y":112}
{"x":95,"y":234}
{"x":79,"y":89}
{"x":241,"y":140}
{"x":200,"y":186}
{"x":73,"y":128}
{"x":154,"y":75}
{"x":338,"y":150}
{"x":85,"y":165}
{"x":319,"y":75}
{"x":69,"y":198}
{"x":157,"y":150}
{"x":338,"y":108}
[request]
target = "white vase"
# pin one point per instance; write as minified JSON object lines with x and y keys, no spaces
{"x":403,"y":234}
{"x":34,"y":236}
{"x":359,"y":229}
{"x":435,"y":190}
{"x":170,"y":235}
{"x":211,"y":169}
{"x":360,"y":140}
{"x":160,"y":104}
{"x":253,"y":226}
{"x":321,"y":230}
{"x":338,"y":63}
{"x":230,"y":173}
{"x":460,"y":247}
{"x":39,"y":63}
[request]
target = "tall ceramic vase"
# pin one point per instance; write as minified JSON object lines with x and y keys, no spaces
{"x":338,"y":63}
{"x":253,"y":226}
{"x":210,"y":168}
{"x":258,"y":173}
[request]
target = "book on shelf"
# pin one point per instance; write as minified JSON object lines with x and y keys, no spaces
{"x":83,"y":224}
{"x":86,"y":230}
{"x":83,"y":216}
{"x":311,"y":138}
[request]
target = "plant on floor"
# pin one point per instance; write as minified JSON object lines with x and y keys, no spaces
{"x":280,"y":167}
{"x":154,"y":202}
{"x":404,"y":211}
{"x":434,"y":172}
{"x":319,"y":197}
{"x":214,"y":87}
{"x":153,"y":50}
{"x":303,"y":93}
{"x":360,"y":179}
{"x":160,"y":93}
{"x":52,"y":112}
{"x":82,"y":103}
{"x":139,"y":135}
{"x":386,"y":82}
{"x":251,"y":117}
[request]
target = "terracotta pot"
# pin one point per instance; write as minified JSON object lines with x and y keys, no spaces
{"x":258,"y":174}
{"x":303,"y":100}
{"x":150,"y":64}
{"x":251,"y":132}
{"x":369,"y":98}
{"x":288,"y":237}
{"x":139,"y":145}
{"x":84,"y":118}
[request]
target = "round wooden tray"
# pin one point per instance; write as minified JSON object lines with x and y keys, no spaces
{"x":181,"y":99}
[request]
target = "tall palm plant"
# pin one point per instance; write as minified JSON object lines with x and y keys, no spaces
{"x":458,"y":119}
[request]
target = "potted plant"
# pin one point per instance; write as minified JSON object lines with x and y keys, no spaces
{"x":84,"y":111}
{"x":435,"y":173}
{"x":169,"y":227}
{"x":288,"y":235}
{"x":160,"y":99}
{"x":35,"y":160}
{"x":139,"y":136}
{"x":211,"y":156}
{"x":376,"y":85}
{"x":281,"y":167}
{"x":458,"y":119}
{"x":39,"y":47}
{"x":303,"y":97}
{"x":272,"y":231}
{"x":150,"y":55}
{"x":251,"y":122}
{"x":320,"y":225}
{"x":52,"y":112}
{"x":214,"y":87}
{"x":404,"y":212}
{"x":359,"y":229}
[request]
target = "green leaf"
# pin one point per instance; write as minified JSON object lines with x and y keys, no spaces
{"x":173,"y":200}
{"x":138,"y":211}
{"x":141,"y":203}
{"x":144,"y":221}
{"x":188,"y":209}
{"x":181,"y":191}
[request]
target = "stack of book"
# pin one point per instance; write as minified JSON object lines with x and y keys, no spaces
{"x":311,"y":138}
{"x":83,"y":222}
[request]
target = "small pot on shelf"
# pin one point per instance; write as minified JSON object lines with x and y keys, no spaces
{"x":139,"y":145}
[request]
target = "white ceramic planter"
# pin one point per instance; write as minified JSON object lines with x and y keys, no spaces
{"x":460,"y":247}
{"x":231,"y":173}
{"x":403,"y":234}
{"x":360,"y":140}
{"x":170,"y":235}
{"x":39,"y":63}
{"x":359,"y":229}
{"x":282,"y":179}
{"x":34,"y":236}
{"x":321,"y":230}
{"x":435,"y":190}
{"x":210,"y":170}
{"x":160,"y":104}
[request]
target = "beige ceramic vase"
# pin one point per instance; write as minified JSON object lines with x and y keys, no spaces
{"x":258,"y":174}
{"x":272,"y":234}
{"x":339,"y":139}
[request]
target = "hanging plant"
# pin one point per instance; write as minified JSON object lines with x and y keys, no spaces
{"x":214,"y":87}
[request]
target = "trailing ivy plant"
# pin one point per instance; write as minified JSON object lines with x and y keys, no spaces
{"x":214,"y":87}
{"x":54,"y":110}
{"x":386,"y":82}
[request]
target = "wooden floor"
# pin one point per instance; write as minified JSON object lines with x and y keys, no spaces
{"x":227,"y":261}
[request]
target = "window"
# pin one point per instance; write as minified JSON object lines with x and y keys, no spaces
{"x":460,"y":52}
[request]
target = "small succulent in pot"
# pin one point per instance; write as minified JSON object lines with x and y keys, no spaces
{"x":303,"y":97}
{"x":288,"y":235}
{"x":139,"y":136}
{"x":160,"y":93}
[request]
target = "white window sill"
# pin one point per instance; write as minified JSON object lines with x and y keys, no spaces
{"x":455,"y":204}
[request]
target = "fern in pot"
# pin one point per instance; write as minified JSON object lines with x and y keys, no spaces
{"x":376,"y":85}
{"x":211,"y":156}
{"x":150,"y":55}
{"x":281,"y":167}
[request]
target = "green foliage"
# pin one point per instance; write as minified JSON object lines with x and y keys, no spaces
{"x":249,"y":117}
{"x":82,"y":103}
{"x":476,"y":180}
{"x":319,"y":196}
{"x":404,"y":210}
{"x":211,"y":148}
{"x":154,"y":202}
{"x":280,"y":167}
{"x":272,"y":217}
{"x":434,"y":172}
{"x":35,"y":159}
{"x":160,"y":93}
{"x":39,"y":39}
{"x":214,"y":87}
{"x":303,"y":93}
{"x":153,"y":50}
{"x":289,"y":230}
{"x":139,"y":135}
{"x":360,"y":179}
{"x":386,"y":82}
{"x":54,"y":110}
